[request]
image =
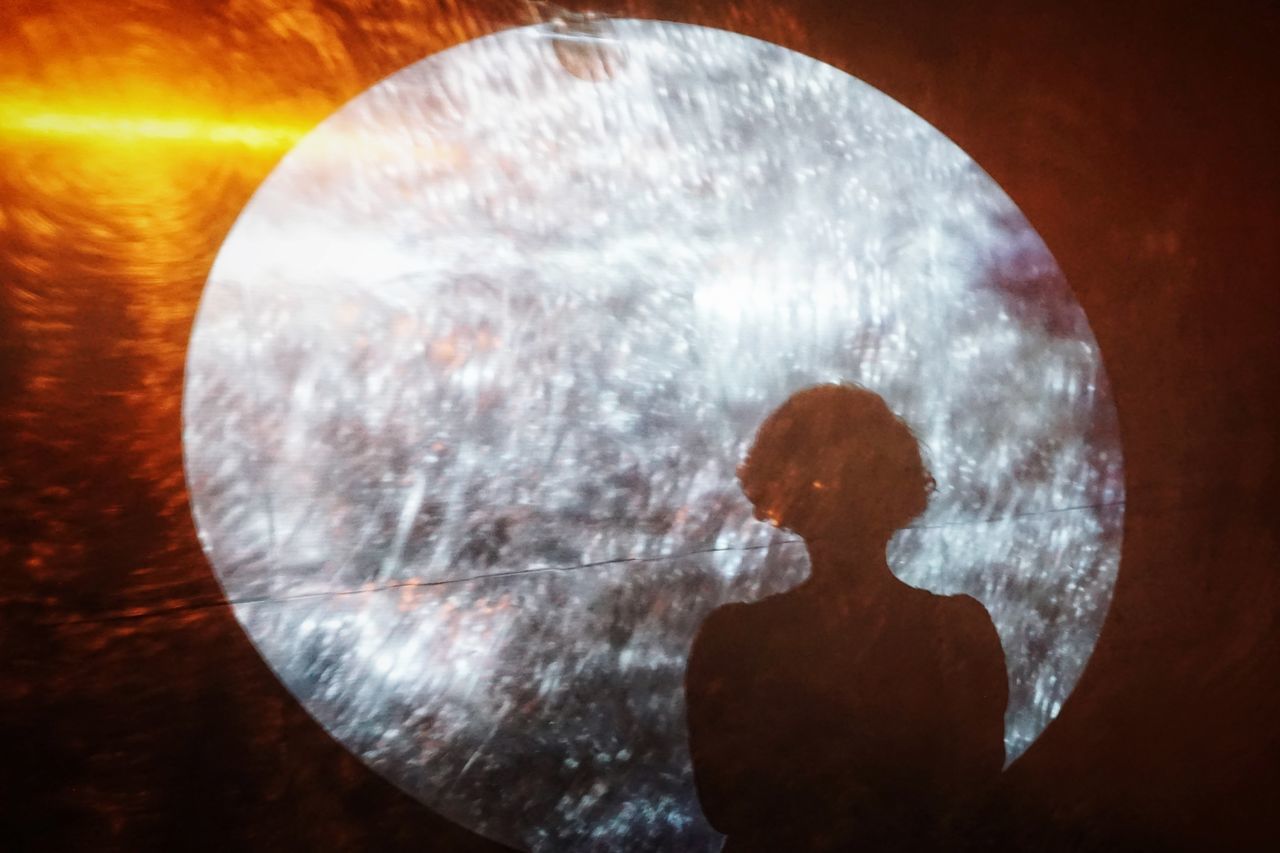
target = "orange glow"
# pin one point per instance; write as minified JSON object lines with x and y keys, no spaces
{"x":121,"y":127}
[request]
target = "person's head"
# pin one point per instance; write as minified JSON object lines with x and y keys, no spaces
{"x":833,"y":462}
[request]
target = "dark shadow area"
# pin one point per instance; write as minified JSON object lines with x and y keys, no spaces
{"x":854,"y":711}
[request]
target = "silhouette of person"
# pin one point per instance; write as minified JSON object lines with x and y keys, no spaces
{"x":853,"y":711}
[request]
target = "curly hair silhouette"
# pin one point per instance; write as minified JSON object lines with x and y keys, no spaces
{"x":833,"y":462}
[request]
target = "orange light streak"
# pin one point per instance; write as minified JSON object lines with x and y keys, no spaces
{"x":23,"y":119}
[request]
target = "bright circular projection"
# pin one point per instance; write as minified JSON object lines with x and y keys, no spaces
{"x":474,"y":368}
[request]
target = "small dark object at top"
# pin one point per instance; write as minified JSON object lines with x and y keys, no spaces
{"x":585,"y":43}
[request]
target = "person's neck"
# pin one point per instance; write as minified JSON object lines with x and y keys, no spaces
{"x":849,"y":564}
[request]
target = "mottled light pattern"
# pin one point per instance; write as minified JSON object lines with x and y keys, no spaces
{"x":474,"y":369}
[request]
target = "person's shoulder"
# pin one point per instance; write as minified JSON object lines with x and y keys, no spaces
{"x":730,"y":618}
{"x":970,"y":621}
{"x":738,"y":624}
{"x":964,"y":605}
{"x":945,"y":607}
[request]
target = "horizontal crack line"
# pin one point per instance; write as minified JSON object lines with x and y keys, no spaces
{"x":130,"y":614}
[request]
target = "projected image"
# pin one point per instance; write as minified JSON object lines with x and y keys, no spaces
{"x":475,"y":369}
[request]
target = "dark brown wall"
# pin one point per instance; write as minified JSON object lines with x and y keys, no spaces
{"x":1139,"y":139}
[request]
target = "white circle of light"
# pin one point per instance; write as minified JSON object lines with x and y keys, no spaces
{"x":474,"y":368}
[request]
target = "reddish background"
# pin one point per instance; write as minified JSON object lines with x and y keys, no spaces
{"x":1139,"y":138}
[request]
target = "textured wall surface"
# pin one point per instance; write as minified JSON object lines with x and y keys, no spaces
{"x":137,"y":714}
{"x":474,"y":369}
